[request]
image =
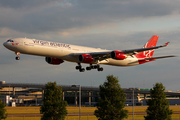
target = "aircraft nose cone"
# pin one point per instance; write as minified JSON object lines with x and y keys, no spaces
{"x":5,"y":44}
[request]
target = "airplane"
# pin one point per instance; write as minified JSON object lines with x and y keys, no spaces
{"x":56,"y":53}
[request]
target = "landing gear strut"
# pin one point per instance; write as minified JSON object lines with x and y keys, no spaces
{"x":99,"y":68}
{"x":17,"y":57}
{"x":79,"y":67}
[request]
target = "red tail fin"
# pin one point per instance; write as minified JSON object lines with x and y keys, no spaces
{"x":151,"y":43}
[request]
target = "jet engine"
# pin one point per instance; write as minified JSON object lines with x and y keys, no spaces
{"x":53,"y":61}
{"x":118,"y":55}
{"x":86,"y":58}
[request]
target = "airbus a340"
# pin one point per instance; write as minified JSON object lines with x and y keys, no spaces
{"x":57,"y":53}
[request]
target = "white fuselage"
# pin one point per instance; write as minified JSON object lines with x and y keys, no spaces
{"x":62,"y":51}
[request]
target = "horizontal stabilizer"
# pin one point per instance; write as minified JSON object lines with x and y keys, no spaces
{"x":152,"y":58}
{"x":159,"y":57}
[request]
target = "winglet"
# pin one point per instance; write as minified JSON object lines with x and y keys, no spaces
{"x":165,"y":44}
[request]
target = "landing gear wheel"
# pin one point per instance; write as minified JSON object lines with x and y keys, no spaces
{"x":81,"y":70}
{"x":17,"y":58}
{"x":100,"y":69}
{"x":92,"y":67}
{"x":77,"y":67}
{"x":88,"y":68}
{"x":97,"y":66}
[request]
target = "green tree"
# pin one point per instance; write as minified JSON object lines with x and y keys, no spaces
{"x":53,"y":107}
{"x":112,"y":100}
{"x":3,"y":114}
{"x":158,"y":104}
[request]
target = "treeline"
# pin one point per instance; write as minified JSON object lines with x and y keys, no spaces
{"x":109,"y":107}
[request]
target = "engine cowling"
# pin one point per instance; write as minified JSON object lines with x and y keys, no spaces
{"x":86,"y":58}
{"x":118,"y":55}
{"x":53,"y":61}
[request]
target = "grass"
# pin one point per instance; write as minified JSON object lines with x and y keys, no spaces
{"x":130,"y":117}
{"x":30,"y":110}
{"x":22,"y":110}
{"x":143,"y":108}
{"x":83,"y":109}
{"x":38,"y":118}
{"x":23,"y":118}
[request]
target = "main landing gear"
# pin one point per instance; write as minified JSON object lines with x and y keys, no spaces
{"x":17,"y":57}
{"x":79,"y":67}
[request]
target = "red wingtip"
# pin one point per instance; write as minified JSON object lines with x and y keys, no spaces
{"x":166,"y":44}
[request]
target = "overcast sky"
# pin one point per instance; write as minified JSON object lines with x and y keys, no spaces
{"x":115,"y":24}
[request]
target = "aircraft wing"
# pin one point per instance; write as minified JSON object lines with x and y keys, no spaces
{"x":134,"y":51}
{"x":105,"y":55}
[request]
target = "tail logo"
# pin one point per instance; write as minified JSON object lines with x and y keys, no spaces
{"x":148,"y":53}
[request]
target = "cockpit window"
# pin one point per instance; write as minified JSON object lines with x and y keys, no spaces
{"x":10,"y":40}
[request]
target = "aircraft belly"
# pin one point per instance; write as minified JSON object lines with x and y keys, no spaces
{"x":46,"y":52}
{"x":125,"y":62}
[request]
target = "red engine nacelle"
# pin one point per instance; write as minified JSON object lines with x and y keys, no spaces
{"x":86,"y":58}
{"x":54,"y":61}
{"x":118,"y":55}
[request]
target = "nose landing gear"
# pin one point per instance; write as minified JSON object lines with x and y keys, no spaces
{"x":17,"y":57}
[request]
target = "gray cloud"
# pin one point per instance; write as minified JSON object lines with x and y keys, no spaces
{"x":43,"y":15}
{"x":30,"y":4}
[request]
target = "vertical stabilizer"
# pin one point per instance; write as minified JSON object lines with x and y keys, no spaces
{"x":149,"y":53}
